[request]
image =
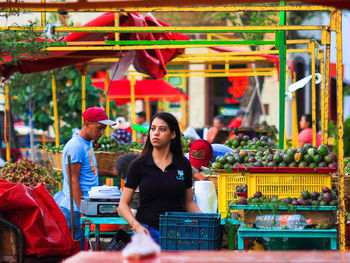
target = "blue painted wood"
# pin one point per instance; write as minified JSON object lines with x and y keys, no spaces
{"x":282,"y":207}
{"x":87,"y":221}
{"x":244,"y":231}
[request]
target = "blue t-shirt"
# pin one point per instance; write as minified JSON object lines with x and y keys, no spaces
{"x":80,"y":151}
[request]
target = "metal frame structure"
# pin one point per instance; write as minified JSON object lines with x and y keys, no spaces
{"x":169,"y":6}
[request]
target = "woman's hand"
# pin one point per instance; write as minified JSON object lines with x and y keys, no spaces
{"x":140,"y":229}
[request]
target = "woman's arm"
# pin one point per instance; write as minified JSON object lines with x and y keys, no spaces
{"x":190,"y":205}
{"x":125,"y":211}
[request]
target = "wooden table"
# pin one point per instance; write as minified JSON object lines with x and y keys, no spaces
{"x":218,"y":257}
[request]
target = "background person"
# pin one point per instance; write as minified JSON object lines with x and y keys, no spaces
{"x":163,"y":176}
{"x":201,"y":154}
{"x":83,"y":165}
{"x":237,"y":122}
{"x":218,"y":124}
{"x":141,"y":119}
{"x":305,"y":136}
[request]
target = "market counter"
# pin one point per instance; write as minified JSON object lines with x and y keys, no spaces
{"x":218,"y":257}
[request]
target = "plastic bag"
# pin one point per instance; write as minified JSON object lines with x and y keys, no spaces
{"x":141,"y":246}
{"x":36,"y":213}
{"x":205,"y":196}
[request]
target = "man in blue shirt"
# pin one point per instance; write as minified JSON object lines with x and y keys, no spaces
{"x":83,"y":164}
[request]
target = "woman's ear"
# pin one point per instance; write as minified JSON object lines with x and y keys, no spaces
{"x":173,"y":135}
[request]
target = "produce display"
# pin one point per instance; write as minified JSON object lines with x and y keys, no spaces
{"x":244,"y":143}
{"x":186,"y":144}
{"x":347,"y":166}
{"x":325,"y":198}
{"x":307,"y":156}
{"x":26,"y":172}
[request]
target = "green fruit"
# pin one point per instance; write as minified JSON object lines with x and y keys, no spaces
{"x":293,"y":164}
{"x":282,"y":164}
{"x":311,"y":152}
{"x":235,"y":143}
{"x":313,"y":165}
{"x":271,"y":164}
{"x":230,"y":159}
{"x":277,"y":158}
{"x":333,"y":202}
{"x":307,"y":146}
{"x":322,"y":165}
{"x":218,"y":159}
{"x":305,"y":195}
{"x":328,"y":158}
{"x":323,"y":203}
{"x":322,"y":150}
{"x":246,"y":159}
{"x":317,"y":158}
{"x":314,"y":202}
{"x":227,"y":167}
{"x":243,"y":143}
{"x":245,"y":138}
{"x":308,"y":159}
{"x":302,"y":164}
{"x":228,"y":143}
{"x":287,"y":158}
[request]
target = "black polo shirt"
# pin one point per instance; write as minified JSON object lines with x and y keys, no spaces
{"x":160,"y":191}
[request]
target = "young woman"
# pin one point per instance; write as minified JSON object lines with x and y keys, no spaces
{"x":305,"y":136}
{"x":163,"y":176}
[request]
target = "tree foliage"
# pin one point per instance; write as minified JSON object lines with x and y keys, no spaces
{"x":34,"y":92}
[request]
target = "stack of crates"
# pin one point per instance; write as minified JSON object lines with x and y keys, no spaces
{"x":227,"y":183}
{"x":190,"y":231}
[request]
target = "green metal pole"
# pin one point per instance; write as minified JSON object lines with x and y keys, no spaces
{"x":282,"y":75}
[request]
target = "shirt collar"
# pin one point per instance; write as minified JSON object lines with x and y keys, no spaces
{"x":150,"y":161}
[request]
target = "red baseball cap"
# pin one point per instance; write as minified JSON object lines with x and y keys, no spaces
{"x":201,"y":153}
{"x":96,"y":114}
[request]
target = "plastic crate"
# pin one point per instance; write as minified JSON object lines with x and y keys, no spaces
{"x":284,"y":185}
{"x":227,"y":183}
{"x":189,"y":231}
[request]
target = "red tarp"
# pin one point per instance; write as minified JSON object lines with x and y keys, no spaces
{"x":150,"y":62}
{"x":36,"y":213}
{"x":153,"y":89}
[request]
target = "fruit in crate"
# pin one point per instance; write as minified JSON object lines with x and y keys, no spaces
{"x":305,"y":157}
{"x":327,"y":198}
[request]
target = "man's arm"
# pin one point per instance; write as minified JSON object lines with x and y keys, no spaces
{"x":77,"y":193}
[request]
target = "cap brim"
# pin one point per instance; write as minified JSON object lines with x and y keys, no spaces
{"x":107,"y":122}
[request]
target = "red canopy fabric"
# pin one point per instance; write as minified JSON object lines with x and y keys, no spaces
{"x":150,"y":62}
{"x":151,"y":89}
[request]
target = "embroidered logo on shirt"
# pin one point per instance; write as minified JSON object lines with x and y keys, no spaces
{"x":180,"y":176}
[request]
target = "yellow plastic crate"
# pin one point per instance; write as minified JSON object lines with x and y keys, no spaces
{"x":227,"y":183}
{"x":284,"y":185}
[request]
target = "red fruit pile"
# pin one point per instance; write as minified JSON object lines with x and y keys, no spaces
{"x":26,"y":172}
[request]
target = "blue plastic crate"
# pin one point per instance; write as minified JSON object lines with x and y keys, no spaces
{"x":189,"y":231}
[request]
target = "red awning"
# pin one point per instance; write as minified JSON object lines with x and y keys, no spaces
{"x":150,"y":62}
{"x":151,"y":89}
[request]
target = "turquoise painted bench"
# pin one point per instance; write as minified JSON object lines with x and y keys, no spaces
{"x":244,"y":231}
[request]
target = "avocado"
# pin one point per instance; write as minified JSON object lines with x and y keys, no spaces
{"x":322,"y":150}
{"x":305,"y":195}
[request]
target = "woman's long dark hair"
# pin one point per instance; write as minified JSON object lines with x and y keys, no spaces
{"x":308,"y":118}
{"x":175,"y":144}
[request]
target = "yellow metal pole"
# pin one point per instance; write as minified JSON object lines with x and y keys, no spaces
{"x":148,"y":110}
{"x":43,"y":16}
{"x":337,"y":15}
{"x":132,"y":100}
{"x":7,"y":123}
{"x":43,"y":137}
{"x":83,"y":93}
{"x":107,"y":80}
{"x":55,"y":112}
{"x":294,"y":122}
{"x":321,"y":59}
{"x":183,"y":113}
{"x":116,"y":24}
{"x":327,"y":86}
{"x":313,"y":92}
